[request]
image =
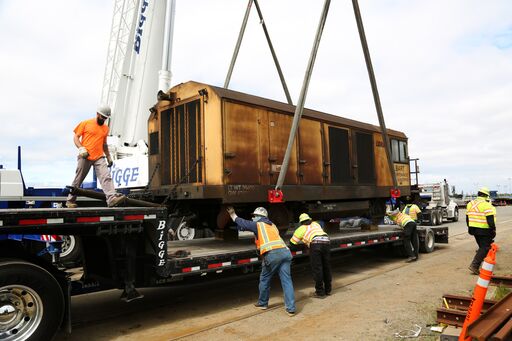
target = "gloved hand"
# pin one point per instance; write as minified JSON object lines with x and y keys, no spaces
{"x":231,"y":212}
{"x":109,"y":162}
{"x":493,"y":233}
{"x":83,"y":153}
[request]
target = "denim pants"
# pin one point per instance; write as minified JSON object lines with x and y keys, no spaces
{"x":278,"y":260}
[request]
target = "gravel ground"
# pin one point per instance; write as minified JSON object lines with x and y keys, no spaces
{"x":375,"y":295}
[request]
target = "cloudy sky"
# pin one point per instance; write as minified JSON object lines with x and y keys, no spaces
{"x":444,"y":71}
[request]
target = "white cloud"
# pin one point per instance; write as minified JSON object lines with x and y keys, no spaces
{"x":443,"y":70}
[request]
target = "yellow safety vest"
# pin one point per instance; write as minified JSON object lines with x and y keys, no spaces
{"x":306,"y":233}
{"x":268,"y":238}
{"x":401,"y":219}
{"x":477,"y":210}
{"x":412,"y":210}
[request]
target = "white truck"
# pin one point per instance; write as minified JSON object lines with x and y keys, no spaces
{"x":436,"y":204}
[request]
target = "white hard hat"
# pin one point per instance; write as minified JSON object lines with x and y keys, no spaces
{"x":103,"y":110}
{"x":261,"y":211}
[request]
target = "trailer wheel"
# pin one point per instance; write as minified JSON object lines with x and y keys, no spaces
{"x":71,"y":254}
{"x":427,"y":244}
{"x":185,"y":232}
{"x":31,"y":302}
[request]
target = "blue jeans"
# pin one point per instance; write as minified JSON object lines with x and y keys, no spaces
{"x":278,"y":260}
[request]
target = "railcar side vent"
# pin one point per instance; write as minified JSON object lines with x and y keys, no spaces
{"x":181,"y":139}
{"x":339,"y":156}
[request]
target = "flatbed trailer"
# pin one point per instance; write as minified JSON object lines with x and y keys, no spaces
{"x":127,"y":248}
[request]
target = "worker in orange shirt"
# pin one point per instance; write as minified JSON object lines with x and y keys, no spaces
{"x":91,"y":140}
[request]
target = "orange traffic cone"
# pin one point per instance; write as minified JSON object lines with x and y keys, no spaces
{"x":475,"y":307}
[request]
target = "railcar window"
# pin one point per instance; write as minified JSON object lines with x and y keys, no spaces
{"x":404,"y":157}
{"x":399,"y":151}
{"x":395,"y":151}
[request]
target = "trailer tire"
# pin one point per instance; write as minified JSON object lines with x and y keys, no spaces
{"x":32,"y":302}
{"x":428,"y":243}
{"x":71,"y":254}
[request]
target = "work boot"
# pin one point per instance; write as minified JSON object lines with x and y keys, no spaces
{"x":318,"y":295}
{"x":411,"y":259}
{"x":261,"y":306}
{"x":130,"y":295}
{"x":117,"y":201}
{"x":474,"y":270}
{"x":71,"y":204}
{"x":290,"y":313}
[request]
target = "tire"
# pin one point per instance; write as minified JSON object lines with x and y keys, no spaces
{"x":427,"y":245}
{"x":71,"y":254}
{"x":439,"y":218}
{"x":456,"y":214}
{"x":433,"y":218}
{"x":208,"y":233}
{"x":32,"y":302}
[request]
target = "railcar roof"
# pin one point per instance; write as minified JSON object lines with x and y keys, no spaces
{"x":269,"y":103}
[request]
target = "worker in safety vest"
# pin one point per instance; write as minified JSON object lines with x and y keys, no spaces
{"x":276,"y":256}
{"x":412,"y":210}
{"x":481,"y":222}
{"x":411,"y":239}
{"x":313,"y":236}
{"x":91,"y":140}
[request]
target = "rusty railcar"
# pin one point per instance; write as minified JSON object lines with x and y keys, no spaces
{"x":210,"y":146}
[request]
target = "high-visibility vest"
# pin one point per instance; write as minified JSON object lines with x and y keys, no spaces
{"x":401,"y":219}
{"x":306,"y":233}
{"x":477,"y":210}
{"x":268,"y":238}
{"x":412,"y":210}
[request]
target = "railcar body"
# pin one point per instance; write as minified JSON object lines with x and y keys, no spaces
{"x":211,"y":146}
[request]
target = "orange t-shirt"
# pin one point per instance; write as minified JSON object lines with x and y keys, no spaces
{"x":93,"y":136}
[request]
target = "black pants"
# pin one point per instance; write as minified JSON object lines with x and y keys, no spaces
{"x":411,"y":240}
{"x":484,"y":244}
{"x":320,"y":257}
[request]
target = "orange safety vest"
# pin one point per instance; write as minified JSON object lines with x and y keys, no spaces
{"x":268,"y":238}
{"x":477,"y":210}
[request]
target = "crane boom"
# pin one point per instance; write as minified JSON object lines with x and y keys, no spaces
{"x":138,"y":65}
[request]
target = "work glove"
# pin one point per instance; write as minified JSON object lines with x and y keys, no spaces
{"x":231,"y":212}
{"x":83,"y":153}
{"x":109,"y":162}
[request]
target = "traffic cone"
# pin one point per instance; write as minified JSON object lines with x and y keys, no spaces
{"x":475,"y":307}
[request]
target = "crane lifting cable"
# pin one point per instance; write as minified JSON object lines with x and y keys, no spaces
{"x":271,"y":47}
{"x":276,"y":194}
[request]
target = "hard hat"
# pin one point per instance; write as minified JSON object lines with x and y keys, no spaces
{"x":485,"y":191}
{"x":261,"y":211}
{"x":104,"y":110}
{"x":304,"y":217}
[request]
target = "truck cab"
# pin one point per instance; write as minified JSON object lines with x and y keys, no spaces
{"x":436,"y":203}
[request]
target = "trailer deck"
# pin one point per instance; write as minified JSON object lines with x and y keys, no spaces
{"x":201,"y":256}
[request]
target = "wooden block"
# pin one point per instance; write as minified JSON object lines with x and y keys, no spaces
{"x":450,"y":334}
